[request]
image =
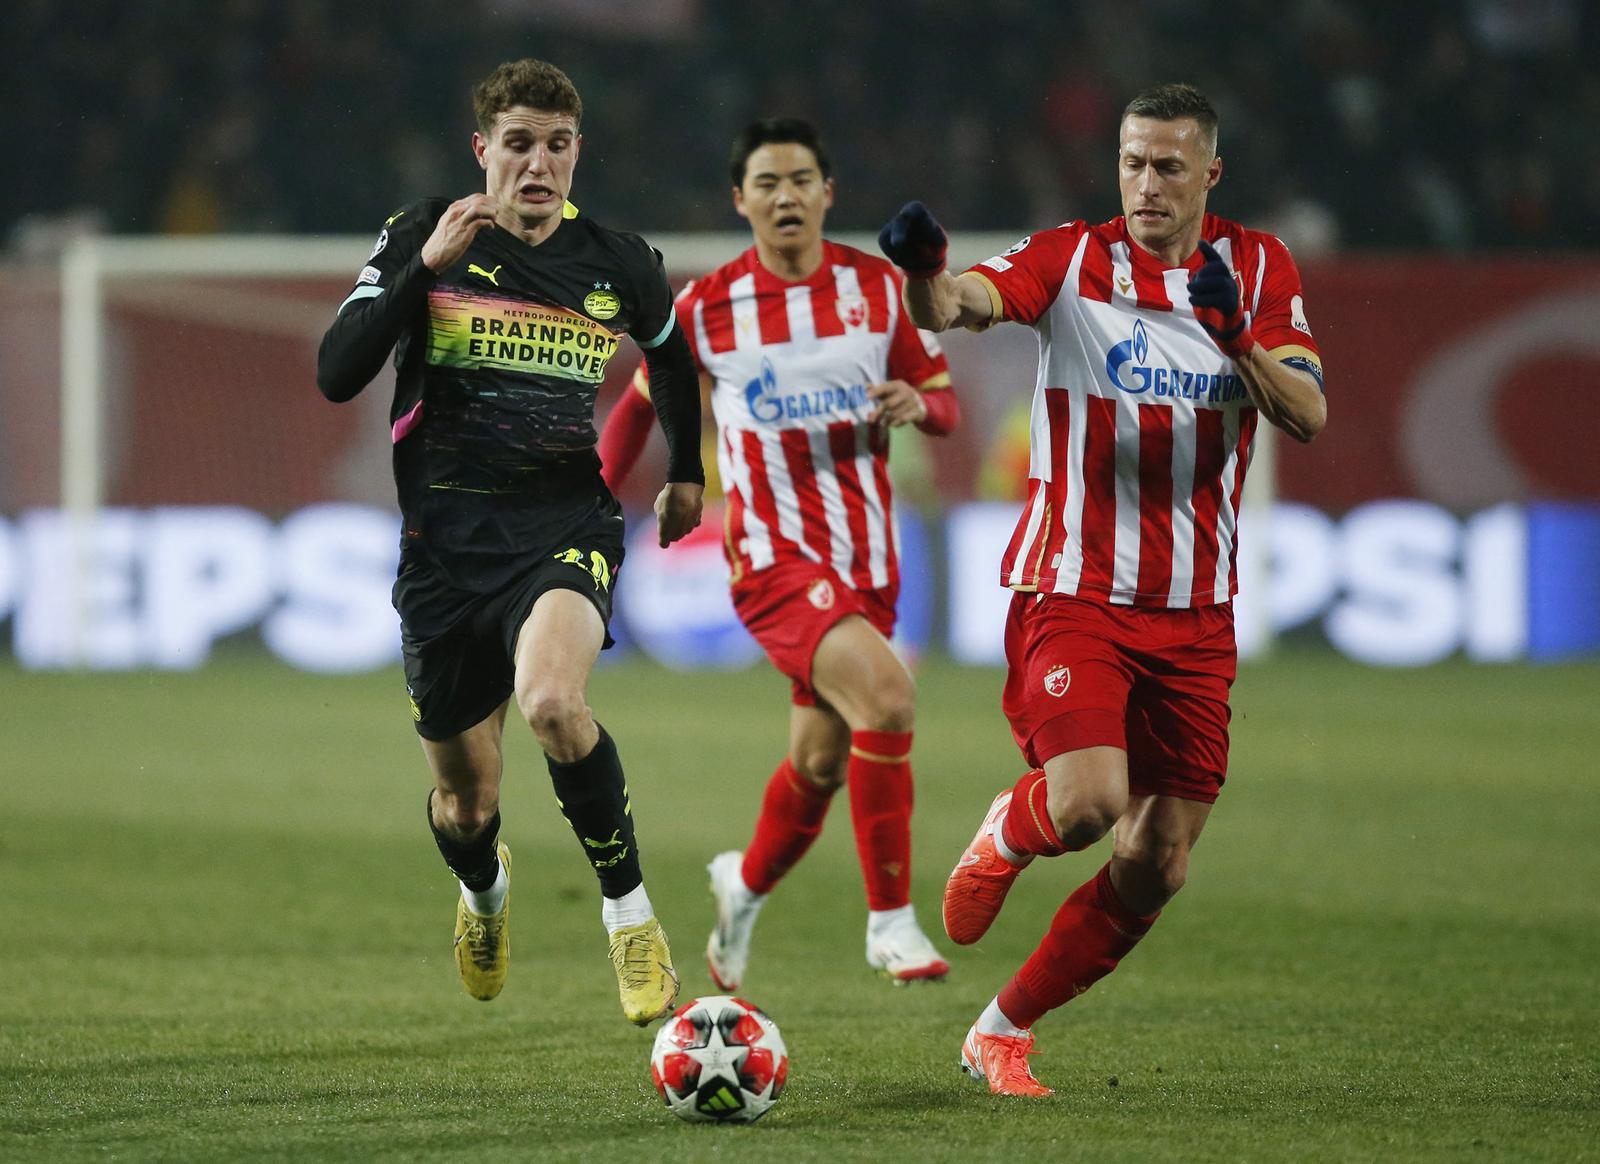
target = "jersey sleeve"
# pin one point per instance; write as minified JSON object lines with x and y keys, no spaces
{"x":683,"y":305}
{"x":654,"y":314}
{"x":1279,"y":315}
{"x":1024,"y":281}
{"x":387,"y":294}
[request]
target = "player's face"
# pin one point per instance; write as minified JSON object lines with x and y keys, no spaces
{"x":528,"y":159}
{"x":1165,"y":169}
{"x":784,"y":195}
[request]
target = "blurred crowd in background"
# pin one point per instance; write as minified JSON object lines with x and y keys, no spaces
{"x":1346,"y":125}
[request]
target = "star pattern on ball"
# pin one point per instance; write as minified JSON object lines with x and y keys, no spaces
{"x":714,"y":1058}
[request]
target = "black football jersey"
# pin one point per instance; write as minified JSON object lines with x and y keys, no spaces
{"x":498,"y":360}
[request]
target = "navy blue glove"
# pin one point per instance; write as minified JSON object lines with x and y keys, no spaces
{"x":914,"y":241}
{"x":1214,"y":295}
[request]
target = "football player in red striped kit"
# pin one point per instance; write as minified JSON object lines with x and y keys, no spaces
{"x":1164,"y":335}
{"x":810,"y":361}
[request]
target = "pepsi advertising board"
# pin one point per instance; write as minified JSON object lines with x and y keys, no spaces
{"x":1399,"y":583}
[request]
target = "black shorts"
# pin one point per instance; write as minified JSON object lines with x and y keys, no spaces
{"x":458,"y":676}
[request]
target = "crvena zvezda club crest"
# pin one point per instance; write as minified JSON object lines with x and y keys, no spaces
{"x":820,"y":593}
{"x":852,"y":310}
{"x":1057,"y":680}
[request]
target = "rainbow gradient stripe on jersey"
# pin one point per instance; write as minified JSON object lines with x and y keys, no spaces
{"x":502,"y":334}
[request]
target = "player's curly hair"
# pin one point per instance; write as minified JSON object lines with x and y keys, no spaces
{"x":536,"y":84}
{"x":776,"y":130}
{"x":1172,"y":102}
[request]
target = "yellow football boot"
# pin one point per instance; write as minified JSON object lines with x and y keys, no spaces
{"x":483,"y":944}
{"x":645,"y":977}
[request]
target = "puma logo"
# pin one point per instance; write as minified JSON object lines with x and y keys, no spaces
{"x":616,"y":839}
{"x":474,"y":269}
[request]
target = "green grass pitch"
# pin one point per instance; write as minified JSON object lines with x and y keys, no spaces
{"x":227,"y":934}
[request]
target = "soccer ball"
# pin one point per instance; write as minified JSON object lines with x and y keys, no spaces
{"x":719,"y":1059}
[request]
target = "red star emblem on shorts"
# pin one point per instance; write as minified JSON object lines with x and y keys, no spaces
{"x":820,"y":594}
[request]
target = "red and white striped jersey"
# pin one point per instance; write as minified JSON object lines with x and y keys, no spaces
{"x":804,"y":472}
{"x":1141,"y":430}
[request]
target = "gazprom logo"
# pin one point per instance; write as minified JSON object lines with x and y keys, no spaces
{"x":1131,"y":351}
{"x":762,"y":394}
{"x":768,"y":404}
{"x":1128,"y":367}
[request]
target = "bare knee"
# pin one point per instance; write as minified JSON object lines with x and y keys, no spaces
{"x":821,"y":765}
{"x":1082,"y":817}
{"x":462,"y":813}
{"x":1147,"y":881}
{"x":556,"y":715}
{"x":891,"y":707}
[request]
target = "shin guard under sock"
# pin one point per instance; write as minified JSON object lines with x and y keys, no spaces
{"x":792,"y":812}
{"x":880,"y":809}
{"x":1090,"y":934}
{"x":593,"y":796}
{"x":1026,"y":826}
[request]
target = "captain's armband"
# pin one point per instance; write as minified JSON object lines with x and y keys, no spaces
{"x":1305,"y":364}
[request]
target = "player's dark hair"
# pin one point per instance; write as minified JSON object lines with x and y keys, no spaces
{"x":536,"y":84}
{"x":776,"y":130}
{"x":1173,"y":102}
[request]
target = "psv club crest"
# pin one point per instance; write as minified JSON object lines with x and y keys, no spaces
{"x":820,"y":594}
{"x":1057,"y":680}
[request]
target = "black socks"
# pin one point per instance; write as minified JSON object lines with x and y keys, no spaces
{"x":476,"y":862}
{"x":593,"y":796}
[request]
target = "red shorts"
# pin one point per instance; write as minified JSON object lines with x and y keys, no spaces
{"x":1154,"y":683}
{"x":790,"y":605}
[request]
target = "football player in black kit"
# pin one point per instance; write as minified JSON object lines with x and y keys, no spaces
{"x":503,"y":309}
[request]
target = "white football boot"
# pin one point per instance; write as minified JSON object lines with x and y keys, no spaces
{"x":728,"y":949}
{"x":899,"y":950}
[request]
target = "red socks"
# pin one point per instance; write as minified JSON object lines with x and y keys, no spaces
{"x":880,"y":809}
{"x":1090,"y":934}
{"x":791,"y":817}
{"x":1027,"y":827}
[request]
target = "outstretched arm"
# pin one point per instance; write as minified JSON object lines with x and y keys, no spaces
{"x":934,"y":299}
{"x":945,"y":301}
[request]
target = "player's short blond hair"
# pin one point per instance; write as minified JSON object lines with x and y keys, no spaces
{"x":1173,"y":103}
{"x":536,"y":84}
